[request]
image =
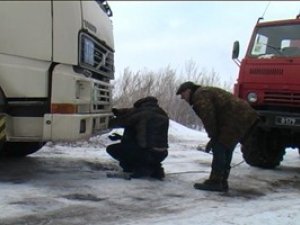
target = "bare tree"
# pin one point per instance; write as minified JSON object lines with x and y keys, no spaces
{"x":162,"y":84}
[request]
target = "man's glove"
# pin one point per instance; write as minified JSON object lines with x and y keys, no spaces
{"x":115,"y":137}
{"x":209,"y":146}
{"x":112,"y":122}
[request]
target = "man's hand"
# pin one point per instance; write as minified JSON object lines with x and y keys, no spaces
{"x":115,"y":111}
{"x":115,"y":137}
{"x":209,"y":146}
{"x":112,"y":122}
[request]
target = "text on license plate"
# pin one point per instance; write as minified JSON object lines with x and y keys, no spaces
{"x":287,"y":121}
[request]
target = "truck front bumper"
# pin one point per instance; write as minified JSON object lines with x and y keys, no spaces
{"x":278,"y":119}
{"x":64,"y":127}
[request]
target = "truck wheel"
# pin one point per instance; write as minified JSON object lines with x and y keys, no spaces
{"x":263,"y":150}
{"x":2,"y":119}
{"x":2,"y":130}
{"x":19,"y":149}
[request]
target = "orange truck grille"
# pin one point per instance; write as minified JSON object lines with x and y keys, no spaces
{"x":282,"y":98}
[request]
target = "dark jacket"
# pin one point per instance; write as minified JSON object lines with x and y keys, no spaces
{"x":147,"y":121}
{"x":226,"y":118}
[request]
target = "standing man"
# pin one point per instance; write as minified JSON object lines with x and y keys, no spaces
{"x":144,"y":144}
{"x":227,"y":121}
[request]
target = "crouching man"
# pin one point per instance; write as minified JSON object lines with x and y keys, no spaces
{"x":144,"y":144}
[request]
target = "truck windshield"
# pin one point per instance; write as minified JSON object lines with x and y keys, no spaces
{"x":276,"y":41}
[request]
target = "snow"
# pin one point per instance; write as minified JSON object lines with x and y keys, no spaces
{"x":66,"y":183}
{"x":267,"y":56}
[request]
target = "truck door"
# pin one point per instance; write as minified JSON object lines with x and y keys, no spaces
{"x":26,"y":29}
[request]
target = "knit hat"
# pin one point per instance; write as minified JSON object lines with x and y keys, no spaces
{"x":149,"y":99}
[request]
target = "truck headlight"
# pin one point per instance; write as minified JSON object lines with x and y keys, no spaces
{"x":88,"y":51}
{"x":252,"y":97}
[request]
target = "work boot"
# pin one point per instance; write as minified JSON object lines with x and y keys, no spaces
{"x":141,"y":172}
{"x":214,"y":183}
{"x":158,"y":173}
{"x":225,"y":185}
{"x":127,"y":168}
{"x":225,"y":179}
{"x":211,"y":185}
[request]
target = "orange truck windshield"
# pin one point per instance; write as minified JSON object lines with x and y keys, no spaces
{"x":275,"y":41}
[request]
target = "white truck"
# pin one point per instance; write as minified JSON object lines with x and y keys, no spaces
{"x":56,"y":64}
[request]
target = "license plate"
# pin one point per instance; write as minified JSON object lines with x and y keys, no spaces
{"x":287,"y":121}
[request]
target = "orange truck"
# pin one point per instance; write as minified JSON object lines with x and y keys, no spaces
{"x":269,"y":79}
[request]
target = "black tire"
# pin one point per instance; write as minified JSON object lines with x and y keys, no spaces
{"x":19,"y":149}
{"x":263,"y":150}
{"x":3,"y":108}
{"x":2,"y":130}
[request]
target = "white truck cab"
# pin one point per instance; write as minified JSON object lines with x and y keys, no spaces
{"x":56,"y":64}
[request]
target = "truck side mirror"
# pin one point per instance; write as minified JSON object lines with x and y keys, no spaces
{"x":107,"y":9}
{"x":235,"y":50}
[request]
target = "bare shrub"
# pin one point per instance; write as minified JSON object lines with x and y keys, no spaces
{"x":163,"y":84}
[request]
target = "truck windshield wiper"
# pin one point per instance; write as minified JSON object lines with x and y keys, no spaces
{"x":277,"y":50}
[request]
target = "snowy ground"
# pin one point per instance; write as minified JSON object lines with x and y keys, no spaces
{"x":66,"y":184}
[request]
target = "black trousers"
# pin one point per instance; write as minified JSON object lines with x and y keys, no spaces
{"x":222,"y":157}
{"x":132,"y":157}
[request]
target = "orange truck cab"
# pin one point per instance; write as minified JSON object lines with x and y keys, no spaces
{"x":269,"y":80}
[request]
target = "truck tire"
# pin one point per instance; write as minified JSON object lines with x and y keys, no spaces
{"x":19,"y":149}
{"x":263,"y":150}
{"x":2,"y":118}
{"x":2,"y":130}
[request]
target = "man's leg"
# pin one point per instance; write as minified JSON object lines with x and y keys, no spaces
{"x":228,"y":158}
{"x":123,"y":153}
{"x":216,"y":180}
{"x":141,"y":167}
{"x":148,"y":163}
{"x":115,"y":151}
{"x":155,"y":159}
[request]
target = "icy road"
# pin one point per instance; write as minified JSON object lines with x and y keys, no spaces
{"x":66,"y":184}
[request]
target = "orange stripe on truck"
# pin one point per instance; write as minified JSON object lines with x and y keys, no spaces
{"x":63,"y":108}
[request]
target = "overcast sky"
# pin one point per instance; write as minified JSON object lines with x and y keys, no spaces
{"x":154,"y":34}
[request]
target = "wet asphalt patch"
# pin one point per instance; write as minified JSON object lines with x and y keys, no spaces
{"x":83,"y":197}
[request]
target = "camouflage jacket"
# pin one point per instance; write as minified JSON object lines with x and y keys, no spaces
{"x":148,"y":123}
{"x":225,"y":117}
